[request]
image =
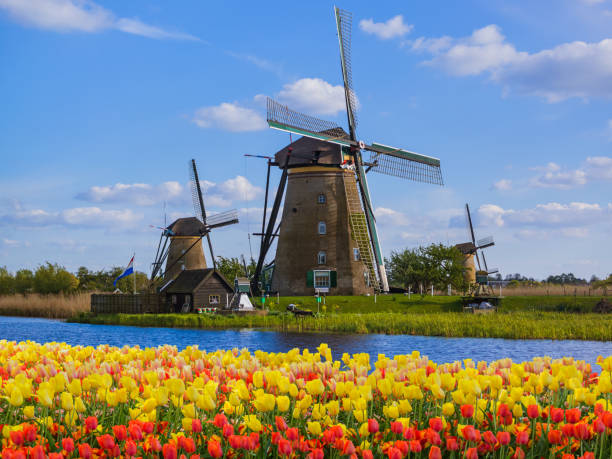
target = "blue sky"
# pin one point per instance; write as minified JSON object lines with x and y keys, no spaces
{"x":104,"y":103}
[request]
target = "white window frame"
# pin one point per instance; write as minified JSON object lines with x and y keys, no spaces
{"x":322,"y":199}
{"x":322,"y":257}
{"x":322,"y":227}
{"x":210,"y":299}
{"x":324,"y":273}
{"x":356,"y":254}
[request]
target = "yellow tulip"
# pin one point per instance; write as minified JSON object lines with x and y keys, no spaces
{"x":315,"y":387}
{"x":314,"y":428}
{"x":252,"y":423}
{"x":66,"y":401}
{"x":28,"y":412}
{"x":282,"y":403}
{"x":16,"y":398}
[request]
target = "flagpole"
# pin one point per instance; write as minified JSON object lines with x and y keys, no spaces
{"x":134,"y":273}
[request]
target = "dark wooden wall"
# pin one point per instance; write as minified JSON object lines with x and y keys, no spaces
{"x":212,"y":286}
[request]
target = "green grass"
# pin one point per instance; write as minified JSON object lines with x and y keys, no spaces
{"x":518,"y":325}
{"x":429,"y":304}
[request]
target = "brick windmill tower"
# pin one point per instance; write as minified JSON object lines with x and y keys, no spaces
{"x":327,"y":236}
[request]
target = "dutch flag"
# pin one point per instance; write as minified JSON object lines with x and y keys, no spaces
{"x":129,"y":270}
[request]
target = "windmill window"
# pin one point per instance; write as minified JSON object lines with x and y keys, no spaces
{"x":213,"y":299}
{"x":321,"y":279}
{"x":356,"y":255}
{"x":321,"y":199}
{"x":322,"y":228}
{"x":322,"y":258}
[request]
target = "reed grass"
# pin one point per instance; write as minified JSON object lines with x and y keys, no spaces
{"x":518,"y":325}
{"x":555,"y":290}
{"x":57,"y":306}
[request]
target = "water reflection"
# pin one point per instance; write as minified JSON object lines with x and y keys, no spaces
{"x":438,"y":349}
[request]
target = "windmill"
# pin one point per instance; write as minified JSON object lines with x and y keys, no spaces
{"x":470,"y":250}
{"x":327,"y":193}
{"x":180,"y":243}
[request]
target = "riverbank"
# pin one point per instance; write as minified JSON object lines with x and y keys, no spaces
{"x":518,"y":325}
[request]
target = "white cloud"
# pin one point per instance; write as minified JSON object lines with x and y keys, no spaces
{"x":229,"y":117}
{"x":313,"y":95}
{"x":80,"y":16}
{"x":554,"y":176}
{"x":142,"y":194}
{"x":573,"y":217}
{"x":550,"y":73}
{"x":79,"y":216}
{"x":390,"y":216}
{"x":10,"y":242}
{"x":392,"y":28}
{"x":503,"y":185}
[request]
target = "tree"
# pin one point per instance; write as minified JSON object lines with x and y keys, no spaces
{"x":7,"y":282}
{"x":436,"y":265}
{"x":24,"y":281}
{"x":52,"y":278}
{"x":231,"y":268}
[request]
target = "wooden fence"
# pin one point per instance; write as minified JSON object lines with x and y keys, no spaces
{"x":128,"y":303}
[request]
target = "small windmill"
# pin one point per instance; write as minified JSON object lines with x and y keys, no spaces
{"x":180,"y":243}
{"x":328,"y":161}
{"x":479,"y":244}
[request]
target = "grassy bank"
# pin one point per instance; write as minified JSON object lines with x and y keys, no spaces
{"x":48,"y":306}
{"x":518,"y":325}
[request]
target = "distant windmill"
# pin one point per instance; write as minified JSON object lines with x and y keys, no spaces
{"x":327,"y":239}
{"x":470,"y":250}
{"x":180,"y":243}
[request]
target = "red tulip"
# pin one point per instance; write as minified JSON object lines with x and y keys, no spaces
{"x":37,"y":452}
{"x":436,"y":424}
{"x":120,"y":432}
{"x":533,"y":411}
{"x":169,"y":451}
{"x":220,"y":420}
{"x":435,"y":453}
{"x":568,"y":430}
{"x":196,"y":426}
{"x":148,"y":427}
{"x":281,"y":424}
{"x":409,"y":433}
{"x":518,"y":454}
{"x":348,"y":448}
{"x":55,"y":456}
{"x":397,"y":427}
{"x":228,"y":430}
{"x":394,"y":453}
{"x":214,"y":449}
{"x":367,"y":454}
{"x":29,"y":433}
{"x":85,"y":451}
{"x":292,"y":434}
{"x":467,"y":411}
{"x":522,"y":437}
{"x":415,"y":446}
{"x":186,"y":444}
{"x":581,"y":431}
{"x":16,"y":437}
{"x":316,"y":453}
{"x":284,"y":447}
{"x":489,"y":437}
{"x":470,"y":434}
{"x":556,"y":415}
{"x":403,"y":446}
{"x":503,"y":438}
{"x":130,"y":448}
{"x":471,"y":453}
{"x":572,"y":416}
{"x":599,"y":426}
{"x":135,"y":432}
{"x":373,"y":426}
{"x":587,"y":455}
{"x":106,"y":442}
{"x":607,"y":419}
{"x":91,"y":423}
{"x":503,"y":410}
{"x":568,"y":456}
{"x":452,"y":444}
{"x":555,"y":437}
{"x":68,"y":445}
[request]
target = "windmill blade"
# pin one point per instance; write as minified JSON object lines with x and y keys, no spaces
{"x":344,"y":20}
{"x":470,"y":227}
{"x":405,"y":164}
{"x":222,"y":219}
{"x":485,"y":242}
{"x":283,"y":118}
{"x":198,"y":204}
{"x":484,"y":261}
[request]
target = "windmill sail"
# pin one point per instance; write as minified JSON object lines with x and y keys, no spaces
{"x":198,"y":204}
{"x":344,"y":21}
{"x":404,"y":164}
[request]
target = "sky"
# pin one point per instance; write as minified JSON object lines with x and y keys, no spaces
{"x":104,"y":103}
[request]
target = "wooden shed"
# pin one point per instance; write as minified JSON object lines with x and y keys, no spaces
{"x":197,"y":288}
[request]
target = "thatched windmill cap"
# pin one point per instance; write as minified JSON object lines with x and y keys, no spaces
{"x":188,"y":226}
{"x":307,"y":151}
{"x":466,"y":248}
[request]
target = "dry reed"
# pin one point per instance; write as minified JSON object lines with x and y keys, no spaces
{"x":49,"y":306}
{"x":554,"y":290}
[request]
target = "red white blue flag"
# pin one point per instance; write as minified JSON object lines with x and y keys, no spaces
{"x":129,"y":270}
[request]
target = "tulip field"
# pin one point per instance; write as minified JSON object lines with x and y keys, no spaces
{"x":62,"y":401}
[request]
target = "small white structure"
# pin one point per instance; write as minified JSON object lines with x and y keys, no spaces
{"x":244,"y":304}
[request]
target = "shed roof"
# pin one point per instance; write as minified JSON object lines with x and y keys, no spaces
{"x":307,"y":151}
{"x":189,"y":279}
{"x":188,"y":226}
